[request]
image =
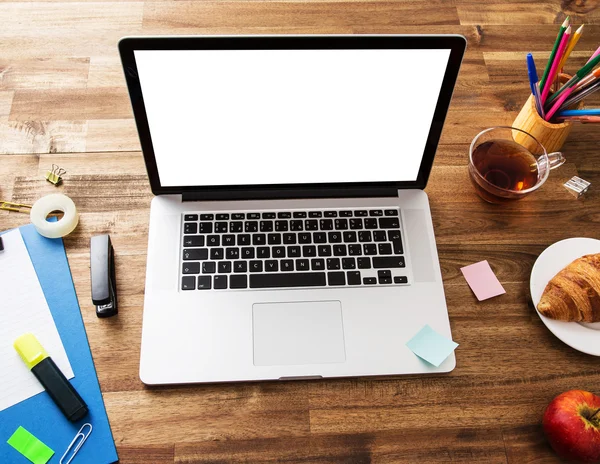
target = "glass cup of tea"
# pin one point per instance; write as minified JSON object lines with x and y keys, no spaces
{"x":506,"y":164}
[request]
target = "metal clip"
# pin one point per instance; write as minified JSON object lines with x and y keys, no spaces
{"x":80,"y":435}
{"x":10,"y":206}
{"x":54,"y":175}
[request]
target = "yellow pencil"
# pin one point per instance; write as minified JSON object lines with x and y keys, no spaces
{"x":571,"y":46}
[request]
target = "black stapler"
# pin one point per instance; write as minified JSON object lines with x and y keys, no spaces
{"x":102,"y":272}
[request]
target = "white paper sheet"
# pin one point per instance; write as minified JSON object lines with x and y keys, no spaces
{"x":23,"y":309}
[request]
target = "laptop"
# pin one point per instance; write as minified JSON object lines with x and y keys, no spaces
{"x":290,"y":236}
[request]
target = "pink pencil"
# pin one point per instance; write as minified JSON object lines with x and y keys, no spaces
{"x":596,"y":53}
{"x":553,"y":70}
{"x":558,"y":103}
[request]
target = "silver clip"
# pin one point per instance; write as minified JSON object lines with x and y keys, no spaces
{"x":577,"y":186}
{"x":80,"y":435}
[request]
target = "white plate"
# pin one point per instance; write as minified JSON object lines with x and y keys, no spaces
{"x":582,"y":336}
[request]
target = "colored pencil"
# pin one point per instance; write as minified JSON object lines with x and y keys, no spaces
{"x":587,"y":80}
{"x":571,"y":46}
{"x":561,"y":31}
{"x":575,"y":79}
{"x":564,"y":42}
{"x":577,"y":97}
{"x":583,"y":112}
{"x":583,"y":119}
{"x":594,"y":55}
{"x":558,"y":104}
{"x":533,"y":84}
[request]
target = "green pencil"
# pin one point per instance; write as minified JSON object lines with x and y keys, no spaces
{"x":575,"y":79}
{"x":561,"y":31}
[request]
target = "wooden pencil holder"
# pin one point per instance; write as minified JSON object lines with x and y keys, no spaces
{"x":551,"y":136}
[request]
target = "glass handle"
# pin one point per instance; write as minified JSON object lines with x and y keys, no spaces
{"x":556,"y":159}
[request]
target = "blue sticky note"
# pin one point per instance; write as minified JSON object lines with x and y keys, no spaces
{"x":431,"y":346}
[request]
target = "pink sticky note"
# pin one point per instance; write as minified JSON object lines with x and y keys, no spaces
{"x":482,"y":280}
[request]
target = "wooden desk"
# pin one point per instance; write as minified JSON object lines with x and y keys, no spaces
{"x":63,"y":100}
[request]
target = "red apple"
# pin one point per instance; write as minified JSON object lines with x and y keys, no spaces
{"x":572,"y":425}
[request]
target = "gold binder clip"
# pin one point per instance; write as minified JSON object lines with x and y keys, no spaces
{"x":54,"y":175}
{"x":17,"y":207}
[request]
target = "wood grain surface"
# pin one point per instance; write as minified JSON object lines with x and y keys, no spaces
{"x":63,"y":100}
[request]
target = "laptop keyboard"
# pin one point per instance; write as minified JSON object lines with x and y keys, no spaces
{"x":290,"y":249}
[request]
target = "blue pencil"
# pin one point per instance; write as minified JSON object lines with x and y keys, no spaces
{"x":583,"y":112}
{"x":533,"y":83}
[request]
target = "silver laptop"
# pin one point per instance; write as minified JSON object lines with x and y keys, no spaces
{"x":290,"y":236}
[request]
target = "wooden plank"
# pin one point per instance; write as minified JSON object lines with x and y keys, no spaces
{"x":33,"y":136}
{"x":526,"y":445}
{"x":210,"y":412}
{"x":76,"y":104}
{"x":424,"y":445}
{"x":6,"y":98}
{"x":186,"y":15}
{"x":44,"y":73}
{"x":106,"y":71}
{"x":112,"y":135}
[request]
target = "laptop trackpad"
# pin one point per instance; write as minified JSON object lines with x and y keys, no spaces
{"x":306,"y":332}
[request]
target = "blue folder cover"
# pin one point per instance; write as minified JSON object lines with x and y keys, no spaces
{"x":38,"y":414}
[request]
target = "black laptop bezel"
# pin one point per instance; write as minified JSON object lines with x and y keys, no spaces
{"x":455,"y":43}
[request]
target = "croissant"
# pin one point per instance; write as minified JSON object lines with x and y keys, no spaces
{"x":574,"y":293}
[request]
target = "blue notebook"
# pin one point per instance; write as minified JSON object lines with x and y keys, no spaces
{"x":38,"y":414}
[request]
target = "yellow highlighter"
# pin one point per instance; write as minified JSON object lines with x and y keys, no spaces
{"x":50,"y":376}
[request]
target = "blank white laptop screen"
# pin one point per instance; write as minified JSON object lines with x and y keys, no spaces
{"x":248,"y":117}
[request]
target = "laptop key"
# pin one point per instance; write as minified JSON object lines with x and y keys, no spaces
{"x":259,"y":239}
{"x":353,"y":277}
{"x":311,"y":224}
{"x":340,"y":250}
{"x":379,"y":236}
{"x":302,"y":265}
{"x":209,"y":267}
{"x":345,"y":213}
{"x":319,"y":237}
{"x":224,"y":267}
{"x":207,"y":217}
{"x":292,"y":279}
{"x":385,"y":248}
{"x":188,"y":283}
{"x":364,"y":236}
{"x":376,"y":212}
{"x":364,"y":263}
{"x":287,"y":265}
{"x":238,"y":281}
{"x":284,"y":215}
{"x":391,"y":212}
{"x":274,"y":239}
{"x":240,"y":266}
{"x":341,"y":224}
{"x":333,"y":264}
{"x":195,"y":254}
{"x":266,"y":226}
{"x":371,"y":223}
{"x":251,"y":226}
{"x":228,"y":240}
{"x":220,"y":282}
{"x":370,"y":249}
{"x":281,"y":226}
{"x":389,"y":223}
{"x":232,"y":253}
{"x":309,"y":251}
{"x":190,"y":268}
{"x":217,"y":253}
{"x":248,"y":253}
{"x":190,"y":217}
{"x":193,"y":241}
{"x":348,"y":263}
{"x":315,"y":214}
{"x":330,"y":214}
{"x":279,"y":252}
{"x":236,"y":226}
{"x":299,"y":214}
{"x":369,"y":280}
{"x":289,"y":239}
{"x":317,"y":264}
{"x":384,"y":277}
{"x":326,"y":224}
{"x":296,"y":225}
{"x":268,"y":215}
{"x":220,"y":227}
{"x":213,"y":240}
{"x":205,"y":227}
{"x":324,"y":250}
{"x":271,"y":265}
{"x":334,"y":237}
{"x":237,"y":216}
{"x":349,"y":237}
{"x":361,"y":212}
{"x":395,"y":238}
{"x":256,"y":266}
{"x":400,"y":280}
{"x":388,"y":262}
{"x":190,"y":228}
{"x":263,"y":252}
{"x":336,"y":278}
{"x":293,"y":251}
{"x":223,"y":217}
{"x":253,"y":216}
{"x":355,"y":249}
{"x":243,"y":239}
{"x":356,"y":224}
{"x":204,"y":282}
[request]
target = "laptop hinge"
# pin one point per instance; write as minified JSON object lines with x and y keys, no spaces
{"x":280,"y":194}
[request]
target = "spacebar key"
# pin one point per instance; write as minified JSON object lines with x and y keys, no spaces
{"x":297,"y":279}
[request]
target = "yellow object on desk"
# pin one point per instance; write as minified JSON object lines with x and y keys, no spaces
{"x":17,"y":207}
